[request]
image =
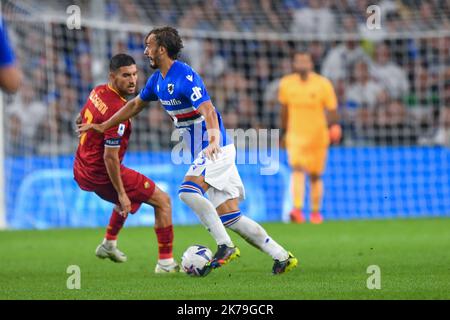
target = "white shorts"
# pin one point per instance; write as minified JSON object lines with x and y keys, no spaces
{"x":221,"y":174}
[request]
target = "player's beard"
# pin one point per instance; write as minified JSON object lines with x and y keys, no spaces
{"x":303,"y":74}
{"x":153,"y":63}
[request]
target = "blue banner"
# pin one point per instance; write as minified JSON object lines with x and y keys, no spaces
{"x":378,"y":182}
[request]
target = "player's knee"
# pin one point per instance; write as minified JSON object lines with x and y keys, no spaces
{"x":166,"y":202}
{"x":315,"y":177}
{"x":188,"y":189}
{"x":162,"y":201}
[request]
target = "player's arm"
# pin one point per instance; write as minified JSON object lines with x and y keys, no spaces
{"x":129,"y":110}
{"x":10,"y":74}
{"x":333,"y":117}
{"x":10,"y":78}
{"x":112,"y":164}
{"x":78,"y":119}
{"x":284,"y":113}
{"x":335,"y":130}
{"x":208,"y":111}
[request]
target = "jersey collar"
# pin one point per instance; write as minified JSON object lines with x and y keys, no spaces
{"x":170,"y":69}
{"x":113,"y":90}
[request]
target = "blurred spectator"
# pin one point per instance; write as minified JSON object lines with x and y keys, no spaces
{"x":25,"y":114}
{"x":349,"y":23}
{"x":195,"y":18}
{"x":212,"y":64}
{"x":388,"y":123}
{"x":241,"y":67}
{"x":230,"y":89}
{"x":337,"y":63}
{"x":427,"y":18}
{"x":244,"y":15}
{"x":317,"y":50}
{"x":388,"y":73}
{"x":260,"y":78}
{"x":247,"y":112}
{"x":227,"y":25}
{"x":62,"y":113}
{"x":441,"y":136}
{"x":130,"y":12}
{"x":270,"y":114}
{"x":364,"y":91}
{"x":435,"y":54}
{"x":361,"y":99}
{"x":231,"y":119}
{"x":192,"y":52}
{"x":393,"y":124}
{"x":154,"y":131}
{"x":423,"y":101}
{"x":271,"y":21}
{"x":316,"y":19}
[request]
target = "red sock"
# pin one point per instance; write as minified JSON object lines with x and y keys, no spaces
{"x":115,"y":224}
{"x":165,"y":240}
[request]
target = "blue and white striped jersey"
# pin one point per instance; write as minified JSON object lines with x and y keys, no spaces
{"x":181,"y":92}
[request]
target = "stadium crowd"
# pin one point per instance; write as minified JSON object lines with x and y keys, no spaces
{"x":393,"y":84}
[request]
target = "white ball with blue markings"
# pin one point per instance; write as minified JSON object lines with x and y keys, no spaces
{"x":194,"y":259}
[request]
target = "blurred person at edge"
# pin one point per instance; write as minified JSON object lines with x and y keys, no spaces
{"x":10,"y":75}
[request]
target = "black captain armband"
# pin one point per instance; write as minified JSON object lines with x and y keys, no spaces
{"x":113,"y":142}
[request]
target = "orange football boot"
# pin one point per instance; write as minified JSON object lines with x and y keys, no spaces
{"x":316,"y":218}
{"x":297,"y":216}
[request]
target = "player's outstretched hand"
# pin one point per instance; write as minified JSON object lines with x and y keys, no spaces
{"x":85,"y":127}
{"x":212,"y":151}
{"x":125,"y":204}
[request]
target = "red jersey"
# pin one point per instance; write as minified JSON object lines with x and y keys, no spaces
{"x":89,"y":166}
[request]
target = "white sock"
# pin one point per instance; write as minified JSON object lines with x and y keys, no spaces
{"x":166,"y":262}
{"x":110,"y":243}
{"x":207,"y":215}
{"x":254,"y":234}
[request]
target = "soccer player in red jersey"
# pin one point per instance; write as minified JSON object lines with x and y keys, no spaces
{"x":98,"y":166}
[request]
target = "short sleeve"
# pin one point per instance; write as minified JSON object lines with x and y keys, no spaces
{"x":6,"y":52}
{"x":148,"y":92}
{"x":330,"y":100}
{"x":281,"y":93}
{"x":113,"y":136}
{"x":194,"y":90}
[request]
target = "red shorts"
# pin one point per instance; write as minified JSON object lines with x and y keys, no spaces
{"x":138,"y":187}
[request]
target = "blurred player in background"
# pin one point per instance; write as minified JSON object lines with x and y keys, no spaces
{"x":98,"y":166}
{"x":305,"y":96}
{"x":10,"y":75}
{"x":183,"y":95}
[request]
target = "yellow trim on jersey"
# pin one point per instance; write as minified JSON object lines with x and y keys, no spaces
{"x":112,"y":89}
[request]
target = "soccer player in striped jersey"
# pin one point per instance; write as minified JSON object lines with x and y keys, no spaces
{"x":183,"y":95}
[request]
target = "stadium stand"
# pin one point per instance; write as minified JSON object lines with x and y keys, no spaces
{"x":393,"y":87}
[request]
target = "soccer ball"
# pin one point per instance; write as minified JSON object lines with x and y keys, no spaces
{"x":194,"y":259}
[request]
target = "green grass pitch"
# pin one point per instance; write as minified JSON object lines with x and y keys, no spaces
{"x":413,"y":256}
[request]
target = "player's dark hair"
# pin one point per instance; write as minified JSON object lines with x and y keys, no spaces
{"x":168,"y":38}
{"x":120,"y":60}
{"x":302,"y":51}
